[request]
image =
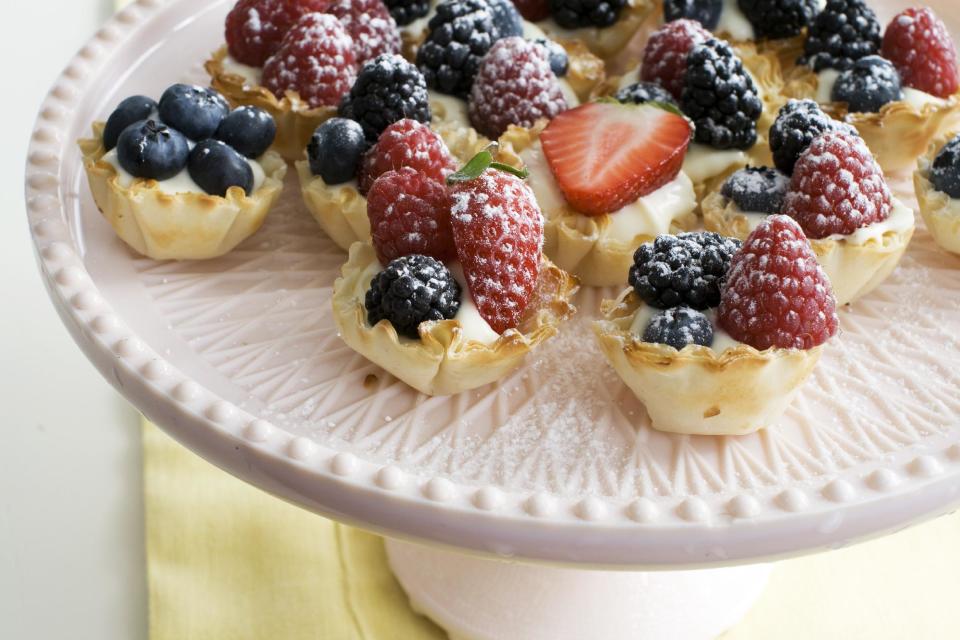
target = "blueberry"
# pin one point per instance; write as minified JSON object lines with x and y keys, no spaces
{"x":132,"y":109}
{"x":559,"y":62}
{"x":335,"y":150}
{"x":871,"y":83}
{"x":506,"y":18}
{"x":640,"y":92}
{"x":945,"y":173}
{"x":150,"y":149}
{"x":194,"y":111}
{"x":216,"y":167}
{"x":249,"y":130}
{"x":678,"y":327}
{"x":757,"y":189}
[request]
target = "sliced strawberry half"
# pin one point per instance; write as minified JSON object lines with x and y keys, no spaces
{"x":605,"y":155}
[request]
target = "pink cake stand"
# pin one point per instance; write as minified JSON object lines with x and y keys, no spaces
{"x":554,"y":468}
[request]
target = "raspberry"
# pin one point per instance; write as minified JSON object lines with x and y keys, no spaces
{"x":665,"y":56}
{"x":498,"y":230}
{"x":682,"y":270}
{"x":371,"y":26}
{"x":776,"y":295}
{"x":514,"y":85}
{"x":921,"y":49}
{"x":837,"y":187}
{"x":410,"y":290}
{"x":316,"y":60}
{"x":255,"y":28}
{"x":533,"y":10}
{"x":406,"y":143}
{"x":410,"y":213}
{"x":797,"y":124}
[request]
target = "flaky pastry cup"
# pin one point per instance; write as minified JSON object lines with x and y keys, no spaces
{"x":341,"y":210}
{"x":442,"y":361}
{"x":940,"y":212}
{"x":576,"y":242}
{"x":853,"y":268}
{"x":696,"y":390}
{"x":296,"y":120}
{"x":182,"y":226}
{"x":897,"y":135}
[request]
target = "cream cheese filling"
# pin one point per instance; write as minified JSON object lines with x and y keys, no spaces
{"x":722,"y":341}
{"x":180,"y":183}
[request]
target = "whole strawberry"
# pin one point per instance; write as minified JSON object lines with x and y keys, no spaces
{"x":514,"y":85}
{"x":409,"y":213}
{"x":371,"y":26}
{"x":255,"y":28}
{"x":776,"y":295}
{"x":665,"y":56}
{"x":837,"y":187}
{"x":920,"y":47}
{"x":498,"y":230}
{"x":406,"y":143}
{"x":315,"y":60}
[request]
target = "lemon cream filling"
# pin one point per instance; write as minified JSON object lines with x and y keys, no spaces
{"x":180,"y":183}
{"x":649,"y":215}
{"x":702,"y":162}
{"x":722,"y":340}
{"x":734,"y":23}
{"x":251,"y":75}
{"x":471,"y":322}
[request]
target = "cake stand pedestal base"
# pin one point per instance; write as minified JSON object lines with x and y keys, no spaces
{"x":475,"y":598}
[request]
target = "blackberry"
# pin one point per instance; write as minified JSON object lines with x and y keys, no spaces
{"x":706,"y":12}
{"x":945,"y":172}
{"x":557,"y":55}
{"x":720,"y":97}
{"x":572,"y":14}
{"x":844,"y":32}
{"x":686,"y":269}
{"x":871,"y":83}
{"x":779,"y":18}
{"x":757,"y":189}
{"x":459,"y":35}
{"x":797,"y":124}
{"x":410,"y":290}
{"x":640,"y":92}
{"x":406,"y":11}
{"x":387,"y":89}
{"x":679,"y":327}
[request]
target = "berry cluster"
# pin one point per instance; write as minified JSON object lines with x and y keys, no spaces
{"x":707,"y":80}
{"x":484,"y":216}
{"x":152,"y":139}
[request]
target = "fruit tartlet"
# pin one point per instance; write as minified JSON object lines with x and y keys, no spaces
{"x":898,"y":88}
{"x":184,"y":178}
{"x":828,"y":181}
{"x":454,"y":291}
{"x":715,"y":338}
{"x":297,"y":59}
{"x":515,"y":84}
{"x":683,"y":64}
{"x":937,"y":182}
{"x":469,"y":68}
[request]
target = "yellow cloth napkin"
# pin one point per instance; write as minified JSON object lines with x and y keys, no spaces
{"x":229,"y":562}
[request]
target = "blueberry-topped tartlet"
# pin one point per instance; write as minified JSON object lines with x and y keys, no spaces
{"x":452,"y":290}
{"x":185,"y":177}
{"x":715,"y":338}
{"x":937,"y":182}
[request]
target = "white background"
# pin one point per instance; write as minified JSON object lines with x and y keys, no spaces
{"x":71,"y":519}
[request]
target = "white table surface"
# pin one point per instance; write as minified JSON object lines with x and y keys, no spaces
{"x":71,"y":525}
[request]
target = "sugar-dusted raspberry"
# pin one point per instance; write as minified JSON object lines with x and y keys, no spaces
{"x":776,"y":295}
{"x":514,"y":85}
{"x":407,"y":143}
{"x":316,"y":60}
{"x":837,"y":187}
{"x":410,"y":213}
{"x":920,"y":47}
{"x":665,"y":56}
{"x":371,"y":26}
{"x":498,"y":230}
{"x":255,"y":28}
{"x":533,"y":10}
